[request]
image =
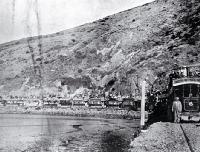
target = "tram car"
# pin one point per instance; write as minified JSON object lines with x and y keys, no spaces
{"x":113,"y":102}
{"x":78,"y":100}
{"x":128,"y":103}
{"x":95,"y":102}
{"x":185,"y":84}
{"x":65,"y":102}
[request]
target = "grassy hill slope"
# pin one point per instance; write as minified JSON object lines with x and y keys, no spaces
{"x":121,"y":49}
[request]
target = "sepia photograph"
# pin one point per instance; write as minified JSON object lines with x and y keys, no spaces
{"x":99,"y":76}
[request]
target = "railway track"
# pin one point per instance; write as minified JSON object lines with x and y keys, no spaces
{"x":191,"y":134}
{"x":187,"y":139}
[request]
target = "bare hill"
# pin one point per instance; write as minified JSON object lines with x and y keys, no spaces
{"x":115,"y":51}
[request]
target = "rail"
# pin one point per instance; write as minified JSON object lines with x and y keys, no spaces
{"x":187,"y":139}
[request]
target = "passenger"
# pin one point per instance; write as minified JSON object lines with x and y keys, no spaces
{"x":195,"y":74}
{"x":86,"y":100}
{"x":181,"y":75}
{"x":190,"y":74}
{"x":103,"y":101}
{"x":176,"y":74}
{"x":120,"y":99}
{"x":177,"y":109}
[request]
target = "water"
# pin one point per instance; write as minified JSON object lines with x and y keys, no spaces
{"x":28,"y":133}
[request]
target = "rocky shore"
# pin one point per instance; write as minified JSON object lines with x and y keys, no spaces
{"x":168,"y":137}
{"x":110,"y":113}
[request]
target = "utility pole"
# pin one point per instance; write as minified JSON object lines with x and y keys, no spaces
{"x":142,"y":120}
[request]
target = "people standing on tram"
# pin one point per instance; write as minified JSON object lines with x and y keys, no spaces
{"x":86,"y":100}
{"x":177,"y":109}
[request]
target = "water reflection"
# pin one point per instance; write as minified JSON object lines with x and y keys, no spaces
{"x":114,"y":141}
{"x":59,"y":133}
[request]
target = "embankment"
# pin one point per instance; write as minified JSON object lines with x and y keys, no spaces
{"x":160,"y":137}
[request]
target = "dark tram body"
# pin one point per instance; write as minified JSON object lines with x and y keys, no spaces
{"x":185,"y":84}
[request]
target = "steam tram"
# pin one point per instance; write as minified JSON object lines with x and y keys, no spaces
{"x":185,"y":84}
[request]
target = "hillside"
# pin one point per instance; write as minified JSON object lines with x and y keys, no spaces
{"x":121,"y":49}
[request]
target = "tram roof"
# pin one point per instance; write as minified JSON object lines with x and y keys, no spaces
{"x":180,"y":66}
{"x":189,"y":65}
{"x":182,"y":81}
{"x":192,"y":65}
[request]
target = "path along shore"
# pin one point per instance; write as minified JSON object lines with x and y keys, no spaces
{"x":110,"y":113}
{"x":168,"y":137}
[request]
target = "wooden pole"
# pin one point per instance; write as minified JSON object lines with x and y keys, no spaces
{"x":142,"y":120}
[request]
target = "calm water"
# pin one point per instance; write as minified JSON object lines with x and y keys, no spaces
{"x":26,"y":133}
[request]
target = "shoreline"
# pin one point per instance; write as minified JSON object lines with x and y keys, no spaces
{"x":106,"y":113}
{"x":65,"y":133}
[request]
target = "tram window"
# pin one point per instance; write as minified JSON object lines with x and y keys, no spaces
{"x":178,"y":91}
{"x":198,"y":90}
{"x":186,"y":90}
{"x":194,"y":90}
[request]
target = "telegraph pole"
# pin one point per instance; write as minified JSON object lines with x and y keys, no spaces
{"x":142,"y":120}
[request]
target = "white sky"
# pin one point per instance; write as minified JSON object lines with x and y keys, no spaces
{"x":18,"y":17}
